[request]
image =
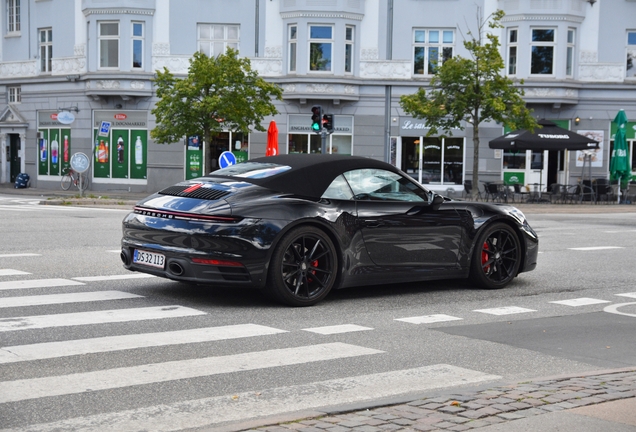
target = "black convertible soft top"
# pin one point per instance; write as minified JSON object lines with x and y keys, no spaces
{"x":310,"y":174}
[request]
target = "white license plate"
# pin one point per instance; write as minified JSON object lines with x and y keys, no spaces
{"x":149,"y":258}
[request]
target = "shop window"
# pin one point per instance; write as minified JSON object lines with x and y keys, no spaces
{"x":46,"y":49}
{"x":542,"y":51}
{"x":320,"y":48}
{"x":348,"y":49}
{"x":293,"y":44}
{"x":109,"y":45}
{"x":137,"y":45}
{"x":536,"y":160}
{"x":514,"y":159}
{"x":631,"y":54}
{"x":215,"y":39}
{"x":569,"y":60}
{"x":15,"y":94}
{"x":453,"y":160}
{"x":512,"y":51}
{"x":13,"y":16}
{"x":431,"y":48}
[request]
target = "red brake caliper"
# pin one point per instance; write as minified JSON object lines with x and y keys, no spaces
{"x":313,"y":264}
{"x":484,"y":257}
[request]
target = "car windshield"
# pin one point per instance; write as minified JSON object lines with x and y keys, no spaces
{"x":253,"y":170}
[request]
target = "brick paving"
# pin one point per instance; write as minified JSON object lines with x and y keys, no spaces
{"x":473,"y":410}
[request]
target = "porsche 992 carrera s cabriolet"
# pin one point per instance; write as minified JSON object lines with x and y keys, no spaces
{"x":298,"y":226}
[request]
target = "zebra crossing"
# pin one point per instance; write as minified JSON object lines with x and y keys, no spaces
{"x":195,"y":412}
{"x":31,"y":205}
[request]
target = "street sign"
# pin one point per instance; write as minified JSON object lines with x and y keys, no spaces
{"x":226,"y":159}
{"x":104,"y":129}
{"x":80,"y":162}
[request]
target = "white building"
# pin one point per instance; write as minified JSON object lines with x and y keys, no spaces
{"x":95,"y":60}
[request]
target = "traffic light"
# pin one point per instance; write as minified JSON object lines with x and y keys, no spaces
{"x":327,"y":122}
{"x":316,"y":118}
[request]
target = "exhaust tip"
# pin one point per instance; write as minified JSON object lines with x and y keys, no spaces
{"x":176,"y":268}
{"x":125,"y":258}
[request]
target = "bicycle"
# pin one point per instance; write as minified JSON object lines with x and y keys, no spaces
{"x":72,"y":177}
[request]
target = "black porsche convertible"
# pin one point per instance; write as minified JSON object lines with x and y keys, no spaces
{"x":298,"y":226}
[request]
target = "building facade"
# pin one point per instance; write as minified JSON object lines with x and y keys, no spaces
{"x":78,"y":77}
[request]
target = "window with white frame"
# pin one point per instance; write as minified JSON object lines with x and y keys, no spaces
{"x":542,"y":51}
{"x":631,"y":54}
{"x":431,"y":48}
{"x":215,"y":39}
{"x":46,"y":49}
{"x":293,"y":44}
{"x":348,"y":63}
{"x":108,"y":44}
{"x":137,"y":45}
{"x":15,"y":94}
{"x":569,"y":60}
{"x":320,"y":48}
{"x":13,"y":16}
{"x":512,"y":51}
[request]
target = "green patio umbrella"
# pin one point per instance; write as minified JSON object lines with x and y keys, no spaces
{"x":620,"y":168}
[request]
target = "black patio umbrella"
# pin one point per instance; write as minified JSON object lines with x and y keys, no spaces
{"x":548,"y":137}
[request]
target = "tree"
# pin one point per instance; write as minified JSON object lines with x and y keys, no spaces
{"x":220,"y":93}
{"x":472,"y":90}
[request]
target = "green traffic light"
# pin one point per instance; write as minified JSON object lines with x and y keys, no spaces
{"x":315,"y":126}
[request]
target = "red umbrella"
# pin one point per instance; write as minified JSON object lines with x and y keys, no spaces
{"x":272,"y":140}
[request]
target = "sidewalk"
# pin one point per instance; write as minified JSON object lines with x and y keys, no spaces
{"x":601,"y":400}
{"x":128,"y":199}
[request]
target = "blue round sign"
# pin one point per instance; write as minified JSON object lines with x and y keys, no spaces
{"x":226,"y":159}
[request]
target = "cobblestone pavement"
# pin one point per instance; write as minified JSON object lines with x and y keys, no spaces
{"x":473,"y":410}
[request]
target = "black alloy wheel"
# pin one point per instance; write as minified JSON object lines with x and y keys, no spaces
{"x":303,"y":267}
{"x":497,"y":257}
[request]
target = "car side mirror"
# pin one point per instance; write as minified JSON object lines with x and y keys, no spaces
{"x":437,"y":201}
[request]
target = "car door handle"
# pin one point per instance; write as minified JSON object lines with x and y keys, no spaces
{"x":371,"y":223}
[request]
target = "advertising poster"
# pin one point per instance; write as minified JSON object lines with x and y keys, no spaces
{"x":138,"y":154}
{"x":121,"y":153}
{"x":596,"y":154}
{"x":43,"y":152}
{"x":193,"y":158}
{"x":101,"y":155}
{"x":53,"y":145}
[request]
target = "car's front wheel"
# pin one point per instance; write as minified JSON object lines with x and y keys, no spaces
{"x":497,"y":257}
{"x":303,"y":268}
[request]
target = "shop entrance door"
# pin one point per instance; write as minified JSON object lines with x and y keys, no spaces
{"x":14,"y":158}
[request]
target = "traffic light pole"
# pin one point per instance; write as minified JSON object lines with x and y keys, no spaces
{"x":323,"y":138}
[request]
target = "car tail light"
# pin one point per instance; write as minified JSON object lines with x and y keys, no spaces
{"x":217,"y":262}
{"x":165,"y":214}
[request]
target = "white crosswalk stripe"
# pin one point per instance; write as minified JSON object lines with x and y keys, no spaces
{"x":37,"y":283}
{"x":13,"y":391}
{"x":50,"y":299}
{"x":96,"y":317}
{"x":17,"y":353}
{"x":11,"y":272}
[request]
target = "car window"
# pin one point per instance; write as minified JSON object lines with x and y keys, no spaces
{"x":381,"y":185}
{"x":338,"y":189}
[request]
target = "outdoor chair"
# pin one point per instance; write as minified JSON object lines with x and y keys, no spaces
{"x":494,"y":192}
{"x":604,"y":191}
{"x":468,"y":190}
{"x":572,"y":194}
{"x":556,"y":193}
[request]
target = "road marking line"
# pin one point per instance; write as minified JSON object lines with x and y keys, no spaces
{"x":50,"y":299}
{"x":596,"y":248}
{"x":630,"y":295}
{"x":344,"y":328}
{"x":507,"y":310}
{"x":14,"y":391}
{"x":37,"y":283}
{"x":95,"y":317}
{"x":12,"y":272}
{"x":429,"y":319}
{"x":241,"y":407}
{"x":580,"y":302}
{"x":613,"y":309}
{"x":114,"y":277}
{"x":620,"y":231}
{"x":17,"y":255}
{"x":18,"y":353}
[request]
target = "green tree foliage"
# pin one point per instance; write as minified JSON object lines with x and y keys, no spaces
{"x":219,"y":93}
{"x":472,"y":90}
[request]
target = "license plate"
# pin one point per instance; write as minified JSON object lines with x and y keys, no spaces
{"x":149,"y":258}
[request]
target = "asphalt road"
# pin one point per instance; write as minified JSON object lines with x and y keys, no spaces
{"x":85,"y":347}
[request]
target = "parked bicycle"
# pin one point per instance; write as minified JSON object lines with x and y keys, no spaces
{"x":72,"y":177}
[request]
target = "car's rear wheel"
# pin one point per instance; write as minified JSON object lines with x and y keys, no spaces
{"x":497,"y":257}
{"x":303,"y":267}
